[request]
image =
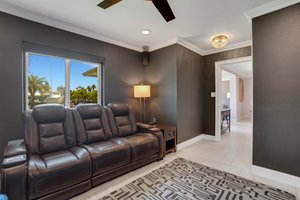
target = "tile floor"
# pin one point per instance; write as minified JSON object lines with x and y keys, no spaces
{"x":232,"y":154}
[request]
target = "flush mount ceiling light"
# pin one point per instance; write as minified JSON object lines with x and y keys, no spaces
{"x":146,"y":31}
{"x":219,"y":41}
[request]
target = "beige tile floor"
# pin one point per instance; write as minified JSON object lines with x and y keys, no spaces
{"x":232,"y":154}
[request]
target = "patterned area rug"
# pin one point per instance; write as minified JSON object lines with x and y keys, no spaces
{"x":182,"y":179}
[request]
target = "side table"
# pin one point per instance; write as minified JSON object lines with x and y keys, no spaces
{"x":169,"y":133}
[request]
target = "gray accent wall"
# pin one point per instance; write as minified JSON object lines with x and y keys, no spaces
{"x":276,"y":67}
{"x":176,"y":76}
{"x":190,"y":86}
{"x":181,"y":82}
{"x":161,"y":74}
{"x":209,"y":83}
{"x":123,"y":68}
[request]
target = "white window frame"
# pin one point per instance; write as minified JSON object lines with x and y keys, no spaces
{"x":67,"y":78}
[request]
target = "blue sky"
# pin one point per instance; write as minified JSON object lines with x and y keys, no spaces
{"x":53,"y":69}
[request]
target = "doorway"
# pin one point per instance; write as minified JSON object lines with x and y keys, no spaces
{"x":234,"y":96}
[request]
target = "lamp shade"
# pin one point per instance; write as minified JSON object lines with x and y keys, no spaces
{"x":141,"y":91}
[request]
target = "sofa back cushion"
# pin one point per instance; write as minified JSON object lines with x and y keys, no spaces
{"x":48,"y":128}
{"x":91,"y":123}
{"x":122,"y":119}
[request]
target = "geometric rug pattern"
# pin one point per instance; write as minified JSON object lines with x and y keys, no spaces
{"x":182,"y":179}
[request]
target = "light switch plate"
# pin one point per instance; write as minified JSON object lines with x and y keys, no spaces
{"x":154,"y":119}
{"x":213,"y":94}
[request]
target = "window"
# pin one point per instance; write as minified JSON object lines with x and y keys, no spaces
{"x":83,"y":82}
{"x":64,"y":81}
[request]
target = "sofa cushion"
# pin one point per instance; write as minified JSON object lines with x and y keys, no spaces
{"x":122,"y":119}
{"x":109,"y":155}
{"x":119,"y":109}
{"x":124,"y":126}
{"x":89,"y":111}
{"x":52,"y":137}
{"x":49,"y":113}
{"x":142,"y":145}
{"x":48,"y":128}
{"x":56,"y":171}
{"x":91,"y":123}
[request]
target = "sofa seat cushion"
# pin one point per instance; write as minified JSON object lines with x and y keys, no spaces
{"x":142,"y":145}
{"x":55,"y":171}
{"x":108,"y":155}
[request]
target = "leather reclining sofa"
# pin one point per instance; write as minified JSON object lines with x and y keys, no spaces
{"x":68,"y":151}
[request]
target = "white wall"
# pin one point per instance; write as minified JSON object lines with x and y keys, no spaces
{"x":240,"y":105}
{"x":241,"y":110}
{"x":247,"y":112}
{"x":225,"y":90}
{"x":244,"y":109}
{"x":233,"y":98}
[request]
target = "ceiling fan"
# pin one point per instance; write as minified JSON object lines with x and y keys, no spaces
{"x":161,"y":5}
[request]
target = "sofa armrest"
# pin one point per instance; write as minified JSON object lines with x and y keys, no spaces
{"x":158,"y":133}
{"x":14,"y":161}
{"x":14,"y":153}
{"x":147,"y":127}
{"x":14,"y":148}
{"x":14,"y":170}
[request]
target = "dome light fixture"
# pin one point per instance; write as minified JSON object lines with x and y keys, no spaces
{"x":219,"y":41}
{"x":146,"y":31}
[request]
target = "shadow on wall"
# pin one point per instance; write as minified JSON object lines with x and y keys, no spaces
{"x":152,"y":103}
{"x":131,"y":101}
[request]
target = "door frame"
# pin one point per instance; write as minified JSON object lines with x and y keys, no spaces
{"x":218,"y":99}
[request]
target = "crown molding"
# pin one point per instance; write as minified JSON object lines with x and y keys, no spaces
{"x":229,"y":47}
{"x":199,"y":51}
{"x":19,"y":12}
{"x":160,"y":46}
{"x":10,"y":9}
{"x":189,"y":46}
{"x":269,"y":7}
{"x":180,"y":41}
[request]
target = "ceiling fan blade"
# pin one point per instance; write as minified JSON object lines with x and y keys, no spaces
{"x":107,"y":3}
{"x":164,"y":8}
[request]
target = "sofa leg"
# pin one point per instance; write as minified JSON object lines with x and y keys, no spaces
{"x":159,"y":159}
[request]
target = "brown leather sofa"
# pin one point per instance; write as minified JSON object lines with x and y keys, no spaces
{"x":68,"y":151}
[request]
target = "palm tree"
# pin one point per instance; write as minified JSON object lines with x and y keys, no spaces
{"x":89,"y":88}
{"x":37,"y":84}
{"x":93,"y":87}
{"x":61,"y":89}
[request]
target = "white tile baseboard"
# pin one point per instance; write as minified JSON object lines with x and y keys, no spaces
{"x":276,"y":176}
{"x":194,"y":140}
{"x":269,"y":174}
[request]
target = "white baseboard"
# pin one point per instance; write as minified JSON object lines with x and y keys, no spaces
{"x":233,"y":120}
{"x":194,"y":140}
{"x":276,"y":176}
{"x":208,"y":137}
{"x":273,"y":175}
